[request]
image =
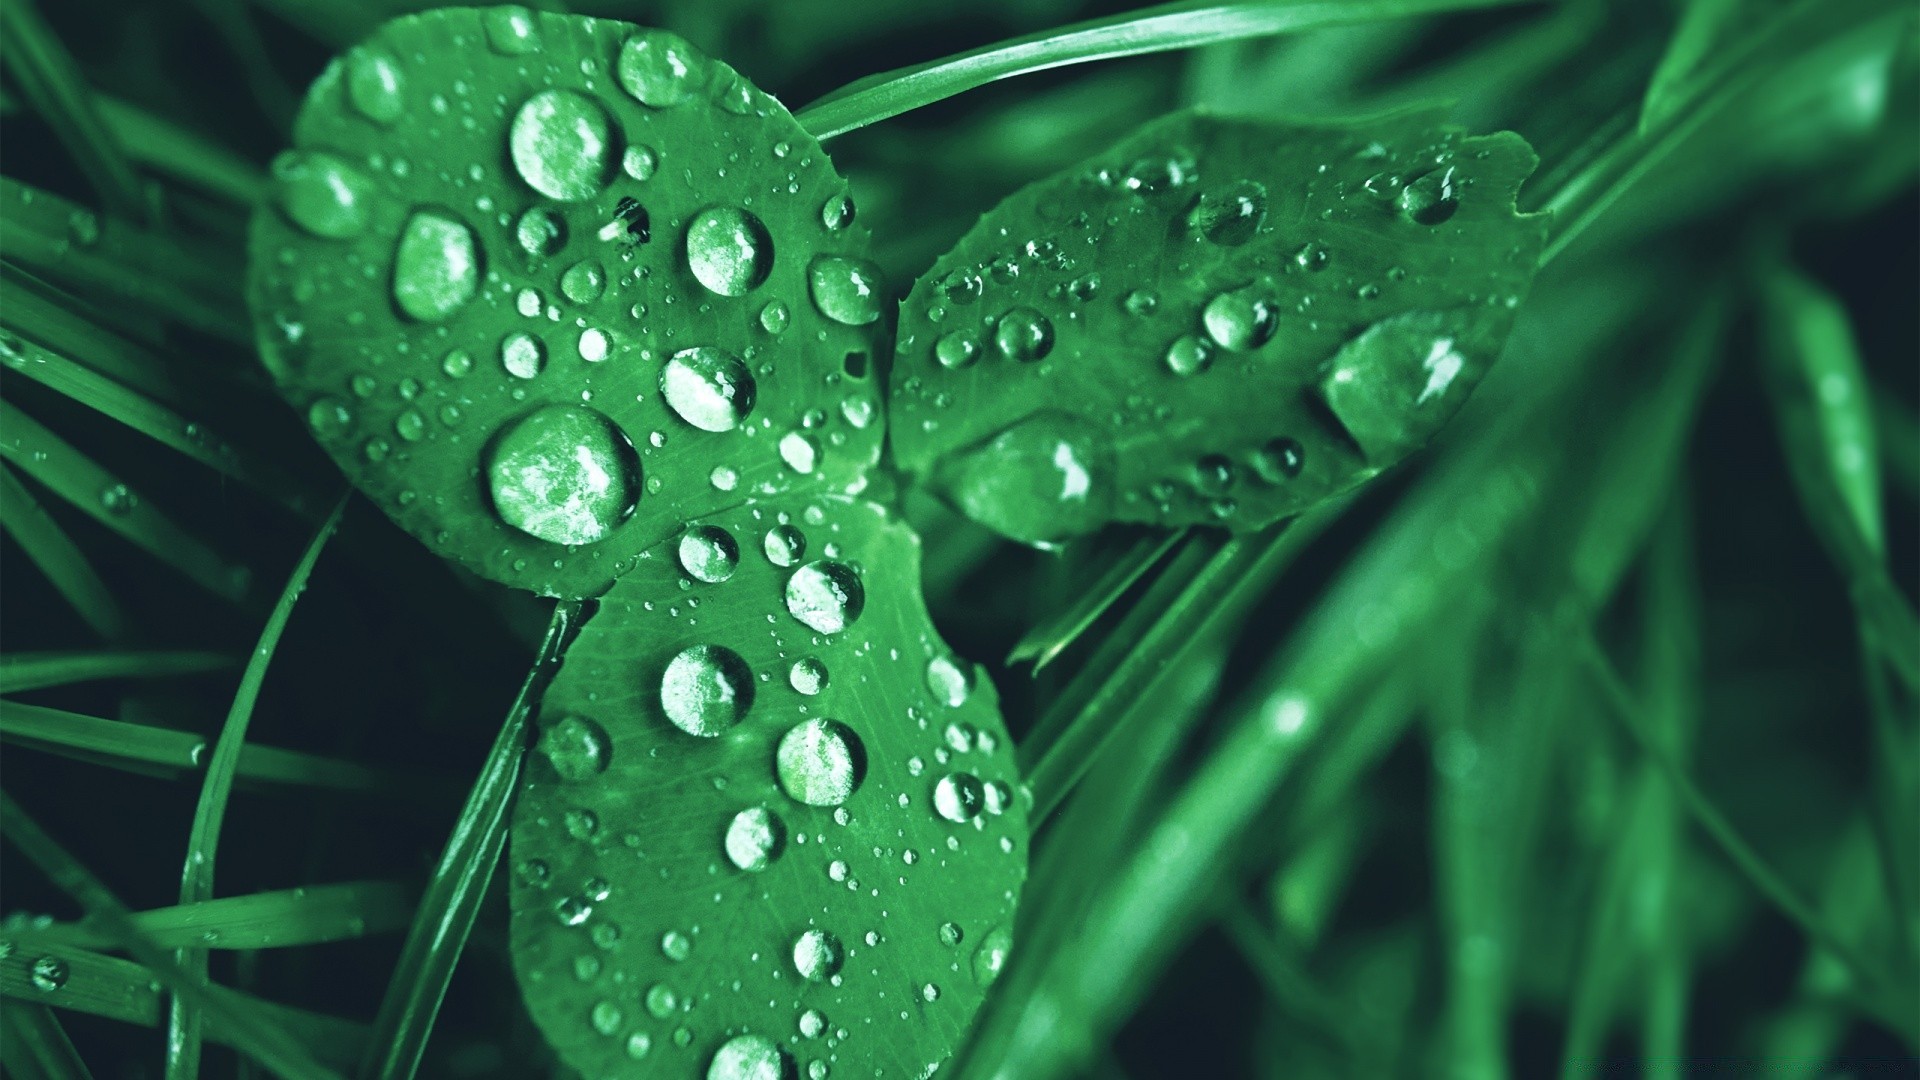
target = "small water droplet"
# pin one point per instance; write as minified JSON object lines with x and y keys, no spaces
{"x":662,"y":1001}
{"x":812,"y":1024}
{"x":1311,"y":256}
{"x":951,"y":934}
{"x":1280,"y":459}
{"x":807,"y":675}
{"x":837,"y":212}
{"x":818,"y":955}
{"x":640,"y":161}
{"x":1230,"y":216}
{"x":561,"y":144}
{"x":511,"y":30}
{"x":799,"y":451}
{"x":584,"y":282}
{"x":826,"y":595}
{"x":49,"y":973}
{"x":706,"y":689}
{"x":374,"y":85}
{"x":709,"y":553}
{"x":540,"y":232}
{"x":1432,"y":198}
{"x":845,"y":290}
{"x":1141,"y":302}
{"x":606,"y":1017}
{"x":1189,"y":355}
{"x":1023,"y":334}
{"x":565,"y":474}
{"x":577,"y":747}
{"x":959,"y":797}
{"x":523,"y":355}
{"x":991,"y":955}
{"x":949,"y":682}
{"x":330,"y":418}
{"x":1240,"y":319}
{"x":729,"y":250}
{"x":775,"y":317}
{"x":784,"y":545}
{"x":675,"y":945}
{"x":820,"y":762}
{"x":957,"y":350}
{"x":457,"y":365}
{"x":708,"y":387}
{"x":755,"y":838}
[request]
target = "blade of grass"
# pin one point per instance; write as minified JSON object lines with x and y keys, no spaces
{"x":68,"y":473}
{"x":183,"y":153}
{"x":1045,"y":640}
{"x":1899,"y":432}
{"x":33,"y":1045}
{"x":154,"y":420}
{"x":1703,"y":25}
{"x":459,"y":882}
{"x":1164,"y":28}
{"x":250,"y":1030}
{"x":20,"y":672}
{"x":39,"y":312}
{"x":119,"y":743}
{"x":203,"y":839}
{"x":45,"y":543}
{"x":47,"y":76}
{"x":284,"y":918}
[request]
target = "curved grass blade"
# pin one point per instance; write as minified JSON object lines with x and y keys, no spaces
{"x":459,"y":882}
{"x":183,"y":153}
{"x":251,"y":1030}
{"x":149,"y":749}
{"x":33,"y":1045}
{"x":1704,"y":24}
{"x":203,"y":839}
{"x":68,"y":473}
{"x":1164,"y":28}
{"x":20,"y":672}
{"x":285,"y":918}
{"x":37,"y":311}
{"x":46,"y":544}
{"x":1047,"y":639}
{"x":47,"y":75}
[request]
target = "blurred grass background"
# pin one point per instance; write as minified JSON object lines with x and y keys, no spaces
{"x":1582,"y":745}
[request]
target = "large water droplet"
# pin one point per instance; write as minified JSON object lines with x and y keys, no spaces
{"x":1432,"y":198}
{"x":659,"y":68}
{"x":321,"y":194}
{"x":523,"y":355}
{"x":751,"y":1057}
{"x":818,"y":955}
{"x":807,"y":675}
{"x":510,"y":30}
{"x":374,"y":86}
{"x":1047,"y":477}
{"x":562,"y":144}
{"x":755,"y":838}
{"x":565,"y":474}
{"x":729,"y":250}
{"x":949,"y":682}
{"x":820,"y":762}
{"x":577,"y":747}
{"x":826,"y":595}
{"x":709,"y":388}
{"x":1394,"y":385}
{"x":709,"y":553}
{"x":845,"y":290}
{"x":1232,"y":215}
{"x":1240,"y":319}
{"x":784,"y":545}
{"x":991,"y":955}
{"x":540,"y":232}
{"x":706,"y":689}
{"x":1023,"y":334}
{"x":959,"y":797}
{"x":436,"y":266}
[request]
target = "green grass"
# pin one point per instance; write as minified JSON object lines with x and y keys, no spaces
{"x":1583,"y":739}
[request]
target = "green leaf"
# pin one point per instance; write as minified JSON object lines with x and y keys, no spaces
{"x":547,"y":287}
{"x":829,"y":875}
{"x":280,"y":919}
{"x":1217,"y":320}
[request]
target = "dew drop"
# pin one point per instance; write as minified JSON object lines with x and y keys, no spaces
{"x":675,"y":945}
{"x":837,"y":212}
{"x":826,"y":595}
{"x":577,"y":747}
{"x":751,"y":1057}
{"x":436,"y":266}
{"x":1141,"y":302}
{"x":949,"y":682}
{"x":706,"y":689}
{"x":755,"y":838}
{"x":709,"y":553}
{"x":991,"y":955}
{"x":1189,"y":355}
{"x":374,"y":86}
{"x":812,"y":1024}
{"x":329,"y":417}
{"x":845,"y":290}
{"x":784,"y":545}
{"x":1229,"y":217}
{"x":584,"y":282}
{"x":561,"y":144}
{"x":818,"y":955}
{"x":775,"y":317}
{"x":799,"y":451}
{"x":1240,"y":319}
{"x":510,"y":30}
{"x":49,"y":973}
{"x":807,"y":675}
{"x":951,"y":934}
{"x":957,"y":350}
{"x":640,"y":161}
{"x":729,"y":250}
{"x":708,"y":387}
{"x":1023,"y":334}
{"x":1313,"y":257}
{"x":606,"y":1017}
{"x":959,"y":797}
{"x":564,"y":474}
{"x":523,"y":355}
{"x":1280,"y":459}
{"x":820,"y":762}
{"x":1430,"y":199}
{"x":321,"y":194}
{"x":540,"y":232}
{"x":659,"y":68}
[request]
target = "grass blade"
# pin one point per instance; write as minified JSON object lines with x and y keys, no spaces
{"x":51,"y":81}
{"x":68,"y":473}
{"x":1704,"y":24}
{"x":33,"y":1045}
{"x":1165,"y":28}
{"x":39,"y":312}
{"x":249,"y":1030}
{"x":284,"y":918}
{"x":459,"y":881}
{"x":1046,"y":640}
{"x":20,"y":672}
{"x":203,"y":839}
{"x":45,"y":543}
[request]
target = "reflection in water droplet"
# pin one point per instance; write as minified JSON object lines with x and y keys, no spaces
{"x":820,"y":762}
{"x":837,"y":212}
{"x":564,"y":474}
{"x":49,"y":973}
{"x":959,"y":797}
{"x":826,"y":595}
{"x":709,"y":388}
{"x":1392,"y":386}
{"x":436,"y":266}
{"x":659,"y":68}
{"x":1232,"y":215}
{"x":706,"y":689}
{"x":729,"y":250}
{"x":845,"y":290}
{"x":577,"y":747}
{"x":775,"y":317}
{"x":1240,"y":319}
{"x":750,"y":1057}
{"x":321,"y":194}
{"x":808,"y":675}
{"x":755,"y":838}
{"x":1023,"y":334}
{"x":785,"y":545}
{"x":709,"y":553}
{"x":818,"y":955}
{"x":561,"y":144}
{"x":523,"y":355}
{"x":949,"y":682}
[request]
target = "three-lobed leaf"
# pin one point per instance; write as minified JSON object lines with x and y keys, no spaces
{"x":1218,"y":320}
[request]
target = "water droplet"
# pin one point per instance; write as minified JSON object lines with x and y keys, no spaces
{"x":584,"y":282}
{"x":564,"y":474}
{"x":807,"y":675}
{"x":951,"y":934}
{"x":561,"y":144}
{"x":1431,"y":198}
{"x":706,"y":689}
{"x":709,"y":388}
{"x":820,"y":762}
{"x":606,"y":1018}
{"x":826,"y":595}
{"x":723,"y":478}
{"x":457,"y":365}
{"x":799,"y":452}
{"x":837,"y":212}
{"x":1189,"y":355}
{"x":845,"y":290}
{"x":49,"y":973}
{"x":573,"y":911}
{"x":329,"y":418}
{"x":410,"y":425}
{"x":436,"y":266}
{"x":1154,"y":175}
{"x":1312,"y":256}
{"x":523,"y":355}
{"x":755,"y":838}
{"x":785,"y":545}
{"x":709,"y":553}
{"x":594,"y":345}
{"x":374,"y":86}
{"x":661,"y":1001}
{"x":949,"y":682}
{"x":962,"y":286}
{"x":675,"y":945}
{"x":578,"y":748}
{"x":991,"y":955}
{"x":750,"y":1057}
{"x":812,"y":1024}
{"x":510,"y":30}
{"x":1213,"y":474}
{"x":640,"y":161}
{"x":818,"y":955}
{"x":540,"y":232}
{"x":638,"y":1045}
{"x":1141,"y":302}
{"x":534,"y":873}
{"x":775,"y":317}
{"x":1047,"y":477}
{"x":321,"y":194}
{"x":1392,"y":386}
{"x":729,"y":250}
{"x":957,"y":350}
{"x":1232,"y":215}
{"x":1240,"y":319}
{"x":1280,"y":459}
{"x":929,"y":993}
{"x":959,"y":797}
{"x":659,"y":68}
{"x":1023,"y":334}
{"x":118,"y":500}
